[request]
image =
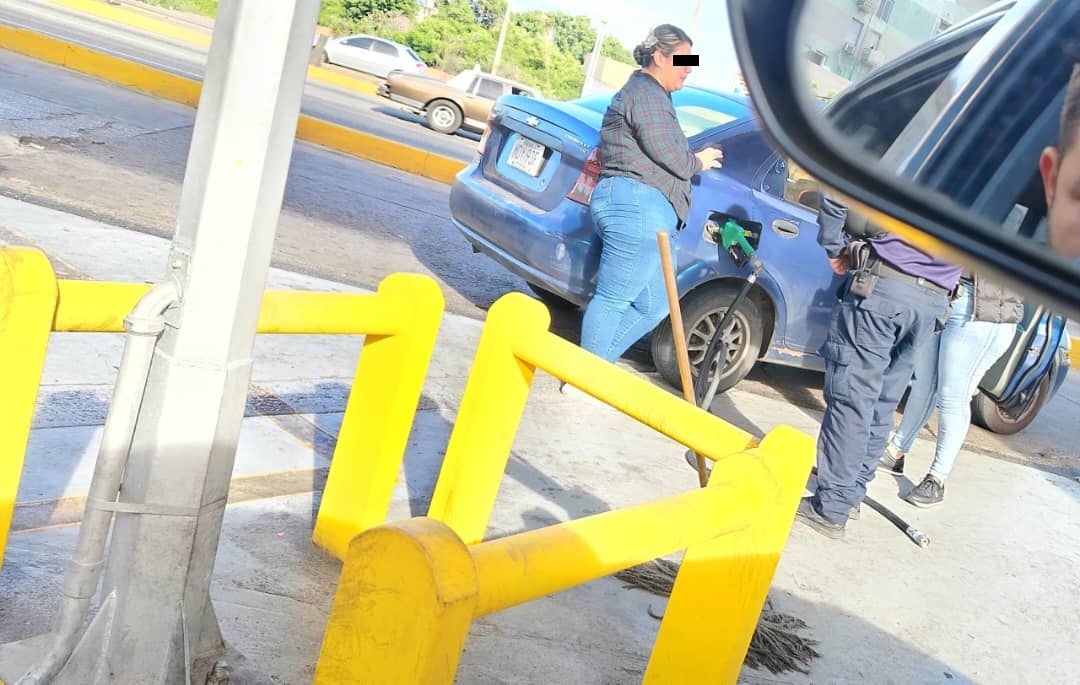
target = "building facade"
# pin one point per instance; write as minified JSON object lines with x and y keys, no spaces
{"x":850,"y":38}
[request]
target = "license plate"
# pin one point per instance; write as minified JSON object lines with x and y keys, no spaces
{"x":528,"y":156}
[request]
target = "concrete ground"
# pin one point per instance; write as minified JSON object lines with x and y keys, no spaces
{"x":992,"y":600}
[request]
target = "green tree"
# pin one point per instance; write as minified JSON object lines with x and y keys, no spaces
{"x":489,"y":13}
{"x":356,"y":10}
{"x":572,"y":35}
{"x":613,"y":49}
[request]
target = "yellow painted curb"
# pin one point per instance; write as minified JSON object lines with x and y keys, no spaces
{"x":93,"y":63}
{"x":341,"y":81}
{"x":186,"y":91}
{"x":103,"y":10}
{"x":1074,"y":353}
{"x":405,"y":157}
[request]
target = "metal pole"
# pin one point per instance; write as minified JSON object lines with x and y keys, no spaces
{"x":590,"y":73}
{"x":502,"y":39}
{"x":155,"y":623}
{"x":696,"y":17}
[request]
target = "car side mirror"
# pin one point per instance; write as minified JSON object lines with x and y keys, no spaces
{"x":955,"y":145}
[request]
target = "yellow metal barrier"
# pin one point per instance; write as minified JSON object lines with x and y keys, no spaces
{"x":27,"y":303}
{"x":400,"y":322}
{"x":409,"y":590}
{"x":514,"y":343}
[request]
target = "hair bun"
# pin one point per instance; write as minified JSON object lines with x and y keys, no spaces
{"x":641,"y":55}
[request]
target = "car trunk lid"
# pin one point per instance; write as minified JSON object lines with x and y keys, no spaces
{"x":542,"y":152}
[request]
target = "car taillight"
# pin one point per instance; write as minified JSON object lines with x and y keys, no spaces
{"x":587,"y":180}
{"x":482,"y":147}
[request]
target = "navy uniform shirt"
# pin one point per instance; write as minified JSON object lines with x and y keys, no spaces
{"x":641,"y":139}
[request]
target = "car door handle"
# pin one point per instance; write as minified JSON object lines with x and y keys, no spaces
{"x":788,"y":229}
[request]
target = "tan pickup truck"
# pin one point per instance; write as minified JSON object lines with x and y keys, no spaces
{"x":464,"y":101}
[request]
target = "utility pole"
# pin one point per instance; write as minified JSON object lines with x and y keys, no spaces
{"x":590,"y":73}
{"x":155,"y":622}
{"x":696,"y":18}
{"x":502,"y":39}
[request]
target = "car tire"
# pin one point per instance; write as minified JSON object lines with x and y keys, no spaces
{"x":702,"y":309}
{"x":549,"y":298}
{"x":444,"y":116}
{"x":986,"y":412}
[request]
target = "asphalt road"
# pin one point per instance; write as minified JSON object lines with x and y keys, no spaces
{"x":97,"y":150}
{"x":373,"y":115}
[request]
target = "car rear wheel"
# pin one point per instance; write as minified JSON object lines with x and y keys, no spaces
{"x":551,"y":299}
{"x":701,"y":312}
{"x":988,"y":414}
{"x":444,"y":116}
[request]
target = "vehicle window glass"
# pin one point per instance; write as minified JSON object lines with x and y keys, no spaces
{"x":385,"y":48}
{"x":1027,"y":217}
{"x":413,"y":55}
{"x":887,"y":102}
{"x":491,"y":90}
{"x":699,"y":111}
{"x":694,"y":119}
{"x":362,"y":43}
{"x":799,"y":187}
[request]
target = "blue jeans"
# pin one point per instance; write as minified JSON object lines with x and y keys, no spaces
{"x":630,"y":298}
{"x":947,"y":374}
{"x":869,"y":356}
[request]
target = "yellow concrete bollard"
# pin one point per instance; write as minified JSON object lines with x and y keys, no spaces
{"x":28,"y":297}
{"x":491,"y":410}
{"x":379,"y":414}
{"x":402,"y":609}
{"x":723,"y":583}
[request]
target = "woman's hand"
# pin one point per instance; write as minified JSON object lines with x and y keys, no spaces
{"x":711,"y":158}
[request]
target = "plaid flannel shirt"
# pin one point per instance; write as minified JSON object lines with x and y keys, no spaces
{"x":641,"y":138}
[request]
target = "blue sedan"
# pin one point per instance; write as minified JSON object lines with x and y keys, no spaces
{"x":524,"y":203}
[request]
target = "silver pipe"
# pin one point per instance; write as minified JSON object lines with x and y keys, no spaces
{"x":143,"y":326}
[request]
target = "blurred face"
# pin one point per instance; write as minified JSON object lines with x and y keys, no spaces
{"x":1061,"y":180}
{"x":671,"y":77}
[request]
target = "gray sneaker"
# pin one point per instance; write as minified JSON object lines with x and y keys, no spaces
{"x":892,"y":462}
{"x":929,"y":493}
{"x":808,"y":515}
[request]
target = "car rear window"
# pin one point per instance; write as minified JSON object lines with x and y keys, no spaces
{"x":413,"y":55}
{"x":697,"y":110}
{"x":694,"y":119}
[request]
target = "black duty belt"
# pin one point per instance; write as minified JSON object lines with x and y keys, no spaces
{"x":884,"y":270}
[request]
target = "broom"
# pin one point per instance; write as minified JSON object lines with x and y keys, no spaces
{"x":776,"y":644}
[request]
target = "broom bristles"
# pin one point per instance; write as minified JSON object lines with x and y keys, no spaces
{"x":776,"y":644}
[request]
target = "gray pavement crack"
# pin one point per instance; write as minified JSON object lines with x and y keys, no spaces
{"x":48,"y":116}
{"x":159,"y":131}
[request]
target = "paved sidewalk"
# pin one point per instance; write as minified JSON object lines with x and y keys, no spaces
{"x":993,"y":599}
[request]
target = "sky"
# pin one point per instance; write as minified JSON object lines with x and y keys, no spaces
{"x":630,"y":21}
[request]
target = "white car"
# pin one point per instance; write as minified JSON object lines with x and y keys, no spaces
{"x":373,"y":55}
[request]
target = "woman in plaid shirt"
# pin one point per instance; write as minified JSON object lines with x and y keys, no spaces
{"x":644,"y":188}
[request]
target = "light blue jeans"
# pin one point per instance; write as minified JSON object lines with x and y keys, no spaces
{"x":947,"y":375}
{"x":631,"y":298}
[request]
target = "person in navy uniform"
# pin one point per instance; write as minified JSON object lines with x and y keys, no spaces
{"x":894,"y":301}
